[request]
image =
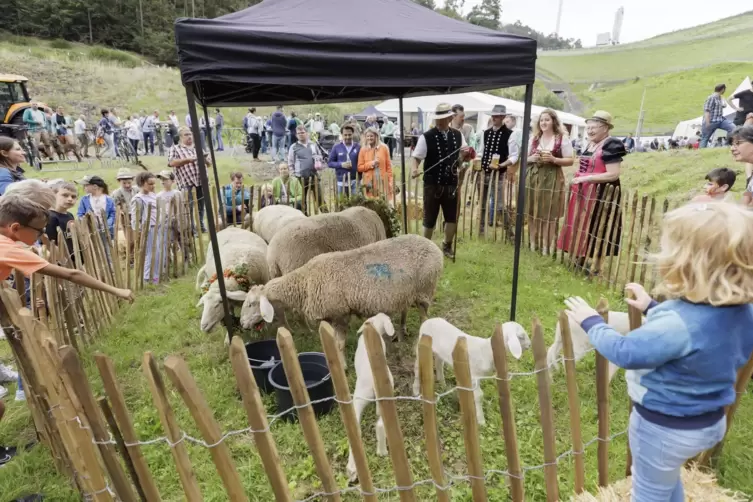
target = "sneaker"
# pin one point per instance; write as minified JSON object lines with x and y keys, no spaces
{"x":3,"y":392}
{"x":20,"y":395}
{"x":7,"y":374}
{"x":447,"y":249}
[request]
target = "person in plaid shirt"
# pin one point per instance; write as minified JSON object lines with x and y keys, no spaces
{"x":182,"y":159}
{"x":713,"y":115}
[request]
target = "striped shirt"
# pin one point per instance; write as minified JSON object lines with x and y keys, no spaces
{"x":186,"y":175}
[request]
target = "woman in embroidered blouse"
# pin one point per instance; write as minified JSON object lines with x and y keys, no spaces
{"x":599,"y":168}
{"x":374,"y":163}
{"x":550,"y":150}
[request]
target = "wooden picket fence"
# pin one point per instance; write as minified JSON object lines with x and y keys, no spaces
{"x":94,"y":442}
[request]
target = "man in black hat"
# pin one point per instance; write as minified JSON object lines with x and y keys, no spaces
{"x":499,"y":151}
{"x":442,"y":149}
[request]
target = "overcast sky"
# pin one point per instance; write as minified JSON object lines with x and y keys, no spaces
{"x":643,"y":18}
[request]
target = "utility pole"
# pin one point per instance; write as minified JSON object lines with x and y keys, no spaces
{"x":639,"y":127}
{"x":559,"y":18}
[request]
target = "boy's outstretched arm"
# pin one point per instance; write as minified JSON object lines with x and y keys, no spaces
{"x":84,"y":279}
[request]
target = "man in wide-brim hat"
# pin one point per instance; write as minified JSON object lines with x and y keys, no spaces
{"x":499,"y":150}
{"x":122,"y":196}
{"x":442,"y":149}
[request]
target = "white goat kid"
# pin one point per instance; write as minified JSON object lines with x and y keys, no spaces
{"x":444,"y":337}
{"x":365,"y":392}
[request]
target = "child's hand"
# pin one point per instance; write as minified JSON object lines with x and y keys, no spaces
{"x":125,"y":294}
{"x":578,"y":310}
{"x":642,"y":299}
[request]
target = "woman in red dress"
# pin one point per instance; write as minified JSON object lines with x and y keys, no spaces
{"x":598,"y":168}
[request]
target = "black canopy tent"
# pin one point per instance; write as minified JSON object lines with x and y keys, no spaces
{"x":296,"y":51}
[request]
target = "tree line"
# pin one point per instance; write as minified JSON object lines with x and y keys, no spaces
{"x":146,"y":26}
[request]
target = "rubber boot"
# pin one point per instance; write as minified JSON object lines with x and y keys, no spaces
{"x":449,"y":236}
{"x":428,"y":232}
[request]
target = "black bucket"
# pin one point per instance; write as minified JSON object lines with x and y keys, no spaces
{"x":260,"y":355}
{"x":318,"y":384}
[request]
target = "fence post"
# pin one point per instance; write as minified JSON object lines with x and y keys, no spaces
{"x":72,"y":366}
{"x":647,"y":243}
{"x":507,"y":411}
{"x":178,"y":372}
{"x":172,"y":431}
{"x":347,"y":410}
{"x":433,"y":448}
{"x":306,"y":416}
{"x":118,"y":437}
{"x":114,"y":392}
{"x":547,"y":420}
{"x":635,"y":321}
{"x":469,"y":420}
{"x":634,"y":263}
{"x":257,"y":419}
{"x":385,"y":393}
{"x":573,"y":401}
{"x":602,"y":398}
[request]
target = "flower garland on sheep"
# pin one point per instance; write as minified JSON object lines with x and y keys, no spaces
{"x":240,"y":273}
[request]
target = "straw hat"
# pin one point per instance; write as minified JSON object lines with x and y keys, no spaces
{"x":602,"y":117}
{"x":498,"y":110}
{"x":443,"y":111}
{"x":124,"y":174}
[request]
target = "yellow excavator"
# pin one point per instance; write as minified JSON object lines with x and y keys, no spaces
{"x":14,"y":100}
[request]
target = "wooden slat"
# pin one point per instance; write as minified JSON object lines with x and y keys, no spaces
{"x":172,"y":429}
{"x":633,"y":209}
{"x":547,"y":413}
{"x":257,"y":419}
{"x":347,"y":410}
{"x":602,"y":404}
{"x":647,"y":243}
{"x":384,"y":391}
{"x":72,"y":366}
{"x":614,"y":218}
{"x":199,"y":236}
{"x":594,"y":240}
{"x":120,"y":411}
{"x":468,"y":414}
{"x":507,"y":411}
{"x":306,"y":412}
{"x":179,"y":374}
{"x":118,"y":437}
{"x":652,"y":282}
{"x":573,"y":401}
{"x":634,"y":263}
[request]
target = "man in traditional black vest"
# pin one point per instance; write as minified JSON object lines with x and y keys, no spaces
{"x":442,"y":150}
{"x":498,"y":153}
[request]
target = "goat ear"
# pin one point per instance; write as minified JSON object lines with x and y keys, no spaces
{"x":267,"y":310}
{"x":513,"y":344}
{"x":236,"y":296}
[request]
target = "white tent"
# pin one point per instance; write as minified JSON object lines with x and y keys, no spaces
{"x":690,"y":127}
{"x":479,"y":103}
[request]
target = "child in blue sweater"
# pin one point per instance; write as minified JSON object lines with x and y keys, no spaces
{"x":682,"y":363}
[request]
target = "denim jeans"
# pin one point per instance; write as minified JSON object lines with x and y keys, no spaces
{"x":149,"y":142}
{"x":708,"y":130}
{"x":219,"y":145}
{"x":342,"y":187}
{"x":149,"y":274}
{"x":278,"y":148}
{"x":659,"y":454}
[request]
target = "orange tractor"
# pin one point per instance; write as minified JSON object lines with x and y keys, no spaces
{"x":14,"y":100}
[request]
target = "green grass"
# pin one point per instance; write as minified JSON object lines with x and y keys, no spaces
{"x":474,"y":293}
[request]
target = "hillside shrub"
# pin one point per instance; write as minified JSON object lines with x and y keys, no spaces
{"x":60,"y":44}
{"x":113,"y":56}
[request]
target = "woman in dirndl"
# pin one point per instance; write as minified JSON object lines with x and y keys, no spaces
{"x":550,"y":149}
{"x":591,"y":215}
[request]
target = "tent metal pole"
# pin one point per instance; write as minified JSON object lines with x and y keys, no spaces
{"x":220,"y":199}
{"x":208,"y":208}
{"x":520,"y":209}
{"x":403,"y":190}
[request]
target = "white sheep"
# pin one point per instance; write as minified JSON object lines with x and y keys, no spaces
{"x":581,"y":346}
{"x":388,"y":276}
{"x":301,"y":240}
{"x":239,"y":249}
{"x":480,"y":355}
{"x":270,"y":219}
{"x":364,"y":392}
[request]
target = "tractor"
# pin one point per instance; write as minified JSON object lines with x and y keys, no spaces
{"x":14,"y":100}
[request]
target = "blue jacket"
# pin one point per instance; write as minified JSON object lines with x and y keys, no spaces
{"x":682,"y":363}
{"x":338,"y":155}
{"x":279,"y":123}
{"x":7,"y":177}
{"x":240,"y":197}
{"x":85,"y":206}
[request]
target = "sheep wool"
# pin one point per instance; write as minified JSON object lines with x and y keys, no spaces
{"x":301,"y":240}
{"x":271,"y":219}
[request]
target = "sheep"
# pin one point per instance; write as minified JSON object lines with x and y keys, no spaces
{"x":269,"y":220}
{"x":238,"y":247}
{"x":301,"y":240}
{"x":480,"y":355}
{"x":388,"y":276}
{"x":617,"y":320}
{"x":364,"y":391}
